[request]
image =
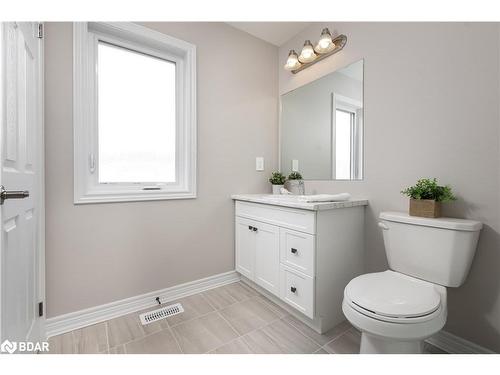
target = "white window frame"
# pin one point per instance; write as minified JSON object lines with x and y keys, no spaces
{"x":86,"y":36}
{"x":346,"y":104}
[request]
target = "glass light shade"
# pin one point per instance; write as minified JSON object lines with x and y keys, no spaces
{"x":307,"y":55}
{"x":325,"y":43}
{"x":292,"y":62}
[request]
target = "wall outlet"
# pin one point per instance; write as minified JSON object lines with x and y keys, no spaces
{"x":259,"y":163}
{"x":295,"y":165}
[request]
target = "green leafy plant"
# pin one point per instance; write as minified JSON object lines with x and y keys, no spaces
{"x":277,"y":178}
{"x":295,"y":176}
{"x":426,"y":188}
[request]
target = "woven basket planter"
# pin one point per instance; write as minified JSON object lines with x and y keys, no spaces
{"x":425,"y":208}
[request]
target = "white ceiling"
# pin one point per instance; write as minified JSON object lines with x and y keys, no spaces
{"x":276,"y":33}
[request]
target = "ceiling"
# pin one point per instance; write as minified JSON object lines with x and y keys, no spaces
{"x":276,"y":33}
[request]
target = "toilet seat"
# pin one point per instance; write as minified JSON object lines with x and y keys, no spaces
{"x":393,"y":297}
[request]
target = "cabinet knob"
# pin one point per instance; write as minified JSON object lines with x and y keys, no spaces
{"x":250,"y":227}
{"x":294,"y":251}
{"x":293,"y":289}
{"x":254,"y":229}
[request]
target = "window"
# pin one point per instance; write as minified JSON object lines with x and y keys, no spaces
{"x":348,"y":136}
{"x":134,"y":114}
{"x":344,"y":123}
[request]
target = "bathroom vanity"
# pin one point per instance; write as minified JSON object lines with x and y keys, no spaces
{"x":301,"y":255}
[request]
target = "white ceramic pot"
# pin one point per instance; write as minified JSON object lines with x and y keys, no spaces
{"x":295,"y":187}
{"x":277,"y":189}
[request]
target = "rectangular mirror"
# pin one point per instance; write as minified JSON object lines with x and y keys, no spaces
{"x":321,"y":134}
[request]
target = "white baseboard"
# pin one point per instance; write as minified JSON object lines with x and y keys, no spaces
{"x":83,"y":318}
{"x":456,"y":345}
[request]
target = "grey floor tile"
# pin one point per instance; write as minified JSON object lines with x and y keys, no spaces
{"x":431,"y":349}
{"x":274,"y":307}
{"x":347,"y":343}
{"x":201,"y":335}
{"x":279,"y":338}
{"x":315,"y":336}
{"x":124,"y":329}
{"x":237,"y":346}
{"x":162,"y":342}
{"x":129,"y":327}
{"x":229,"y":294}
{"x":120,"y":349}
{"x":321,"y":351}
{"x":92,"y":339}
{"x":62,"y":344}
{"x":248,"y":315}
{"x":194,"y":307}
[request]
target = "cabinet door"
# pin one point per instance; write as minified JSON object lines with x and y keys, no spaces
{"x":267,"y":258}
{"x":245,"y":247}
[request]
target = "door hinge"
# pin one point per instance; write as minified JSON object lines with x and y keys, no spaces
{"x":40,"y":308}
{"x":39,"y":32}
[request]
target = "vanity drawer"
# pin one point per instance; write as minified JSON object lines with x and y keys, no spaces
{"x":297,"y":290}
{"x":297,"y":250}
{"x":300,"y":220}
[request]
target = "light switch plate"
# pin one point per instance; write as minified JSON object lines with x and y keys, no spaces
{"x":295,"y":165}
{"x":259,"y":163}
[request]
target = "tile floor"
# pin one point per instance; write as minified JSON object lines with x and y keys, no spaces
{"x":232,"y":319}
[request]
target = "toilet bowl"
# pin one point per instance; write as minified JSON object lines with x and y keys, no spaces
{"x":396,"y":310}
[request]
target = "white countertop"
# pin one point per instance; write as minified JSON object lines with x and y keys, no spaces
{"x":293,"y":202}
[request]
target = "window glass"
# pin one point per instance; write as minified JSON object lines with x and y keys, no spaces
{"x":136,"y":117}
{"x":343,"y":123}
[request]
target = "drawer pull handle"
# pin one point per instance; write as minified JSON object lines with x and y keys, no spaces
{"x":293,"y":289}
{"x":294,"y":251}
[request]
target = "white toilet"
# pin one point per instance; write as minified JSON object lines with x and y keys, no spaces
{"x":396,"y":310}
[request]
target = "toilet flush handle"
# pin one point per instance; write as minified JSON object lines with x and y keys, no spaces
{"x":383,"y":225}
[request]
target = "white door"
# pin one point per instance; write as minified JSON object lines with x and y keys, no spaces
{"x":245,"y":247}
{"x":21,"y":262}
{"x":267,"y":257}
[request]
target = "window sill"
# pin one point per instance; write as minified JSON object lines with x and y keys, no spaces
{"x":129,"y":197}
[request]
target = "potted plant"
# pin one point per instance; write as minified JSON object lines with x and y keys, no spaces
{"x":277,"y":180}
{"x":426,"y":197}
{"x":295,"y":184}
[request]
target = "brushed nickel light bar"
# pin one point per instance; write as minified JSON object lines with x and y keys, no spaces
{"x":310,"y":54}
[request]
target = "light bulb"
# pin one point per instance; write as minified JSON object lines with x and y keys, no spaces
{"x":292,"y":62}
{"x":307,"y":55}
{"x":325,"y":43}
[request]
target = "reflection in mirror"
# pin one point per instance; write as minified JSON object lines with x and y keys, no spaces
{"x":322,"y":127}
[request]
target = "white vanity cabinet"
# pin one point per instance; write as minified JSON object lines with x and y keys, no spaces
{"x":300,"y":254}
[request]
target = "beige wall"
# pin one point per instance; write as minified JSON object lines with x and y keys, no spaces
{"x":100,"y":253}
{"x":431,"y":109}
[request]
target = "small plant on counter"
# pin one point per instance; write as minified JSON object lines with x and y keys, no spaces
{"x":295,"y":176}
{"x":426,"y":197}
{"x":294,"y":184}
{"x":277,"y":178}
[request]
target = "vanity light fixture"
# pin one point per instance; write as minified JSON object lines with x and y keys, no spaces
{"x":307,"y":55}
{"x":310,"y":55}
{"x":292,"y":62}
{"x":325,"y":42}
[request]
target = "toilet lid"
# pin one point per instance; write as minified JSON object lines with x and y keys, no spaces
{"x":393,"y":294}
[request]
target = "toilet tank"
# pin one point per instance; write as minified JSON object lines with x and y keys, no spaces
{"x":436,"y":250}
